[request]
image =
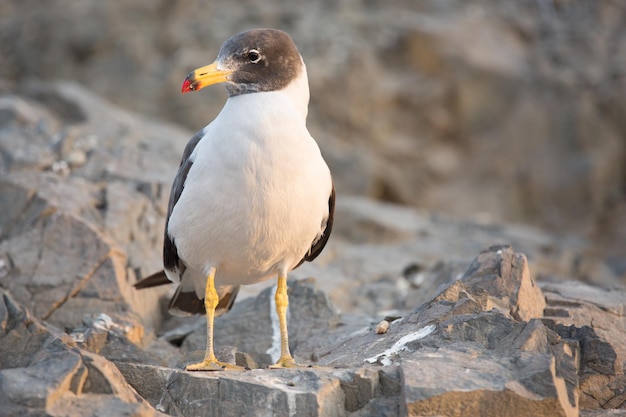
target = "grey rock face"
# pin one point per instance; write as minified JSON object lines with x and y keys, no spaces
{"x":467,"y":350}
{"x":72,"y":242}
{"x":44,"y":371}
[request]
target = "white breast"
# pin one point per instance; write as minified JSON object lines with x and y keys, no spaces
{"x":256,"y":195}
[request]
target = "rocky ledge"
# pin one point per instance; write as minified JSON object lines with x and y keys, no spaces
{"x":491,"y":343}
{"x":399,"y":319}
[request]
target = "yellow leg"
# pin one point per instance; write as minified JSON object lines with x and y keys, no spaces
{"x":282,"y":302}
{"x":210,"y":362}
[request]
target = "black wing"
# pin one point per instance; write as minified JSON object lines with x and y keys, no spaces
{"x":318,"y":245}
{"x":153,"y":280}
{"x":171,"y":261}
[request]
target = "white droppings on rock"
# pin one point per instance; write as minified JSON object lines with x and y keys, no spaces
{"x":400,"y":345}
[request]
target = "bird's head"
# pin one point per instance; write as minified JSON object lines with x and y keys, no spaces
{"x":253,"y":61}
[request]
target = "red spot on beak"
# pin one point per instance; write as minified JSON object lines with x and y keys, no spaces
{"x":186,"y":86}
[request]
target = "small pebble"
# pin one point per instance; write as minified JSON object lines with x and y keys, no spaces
{"x":76,"y":158}
{"x":382,"y":327}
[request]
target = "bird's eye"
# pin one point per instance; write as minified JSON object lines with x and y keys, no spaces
{"x":254,"y":56}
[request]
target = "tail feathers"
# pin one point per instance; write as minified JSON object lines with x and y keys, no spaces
{"x":187,"y":303}
{"x":153,"y":280}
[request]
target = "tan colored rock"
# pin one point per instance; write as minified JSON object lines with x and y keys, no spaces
{"x":481,"y":387}
{"x":595,"y":320}
{"x":89,"y":405}
{"x":504,"y":275}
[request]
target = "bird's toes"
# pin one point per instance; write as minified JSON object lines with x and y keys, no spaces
{"x":212,"y":365}
{"x":286,"y":362}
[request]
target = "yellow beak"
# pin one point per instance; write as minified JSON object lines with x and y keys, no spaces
{"x":205,"y":76}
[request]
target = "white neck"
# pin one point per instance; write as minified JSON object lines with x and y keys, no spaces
{"x":295,"y":95}
{"x":298,"y":92}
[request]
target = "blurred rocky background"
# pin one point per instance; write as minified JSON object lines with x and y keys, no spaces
{"x":450,"y":126}
{"x":502,"y":111}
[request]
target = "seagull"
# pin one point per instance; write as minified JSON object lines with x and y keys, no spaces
{"x":253,"y":197}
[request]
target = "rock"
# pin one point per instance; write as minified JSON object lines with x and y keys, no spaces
{"x":312,"y":391}
{"x":414,"y":369}
{"x":382,"y":327}
{"x":603,"y":413}
{"x":397,"y":257}
{"x":595,"y":320}
{"x":115,"y":340}
{"x":43,"y":371}
{"x":72,"y":245}
{"x":483,"y":387}
{"x":507,"y":281}
{"x":250,"y":393}
{"x":251,"y":325}
{"x":467,"y":349}
{"x":504,"y":359}
{"x":93,"y":404}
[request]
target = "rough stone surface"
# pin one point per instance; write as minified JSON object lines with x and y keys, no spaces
{"x":467,"y":350}
{"x":596,"y":319}
{"x":44,"y":371}
{"x":72,"y":243}
{"x":252,"y":325}
{"x":506,"y":279}
{"x":480,"y":345}
{"x":483,"y":387}
{"x":603,"y":413}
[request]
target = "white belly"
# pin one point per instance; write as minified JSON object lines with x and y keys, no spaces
{"x":251,"y":208}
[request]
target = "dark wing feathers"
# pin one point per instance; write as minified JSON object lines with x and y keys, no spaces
{"x":188,"y":303}
{"x":171,"y":261}
{"x":153,"y":280}
{"x":318,"y":245}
